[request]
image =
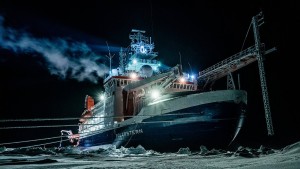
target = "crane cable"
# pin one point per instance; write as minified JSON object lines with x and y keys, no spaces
{"x":246,"y":36}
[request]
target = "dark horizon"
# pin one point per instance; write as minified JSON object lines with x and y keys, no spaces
{"x":203,"y":32}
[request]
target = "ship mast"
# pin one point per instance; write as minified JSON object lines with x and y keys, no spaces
{"x":109,"y":57}
{"x":122,"y":60}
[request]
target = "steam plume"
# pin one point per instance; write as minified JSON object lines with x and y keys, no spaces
{"x":67,"y":59}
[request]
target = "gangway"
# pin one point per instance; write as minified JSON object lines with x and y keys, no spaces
{"x":231,"y":64}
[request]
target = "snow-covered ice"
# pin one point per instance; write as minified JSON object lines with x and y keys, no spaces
{"x":110,"y":157}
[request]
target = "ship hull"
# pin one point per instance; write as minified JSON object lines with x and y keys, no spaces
{"x":213,"y":123}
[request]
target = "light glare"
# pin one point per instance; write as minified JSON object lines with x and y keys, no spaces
{"x":134,"y":61}
{"x":102,"y":97}
{"x":182,"y":80}
{"x":155,"y":94}
{"x":133,"y":75}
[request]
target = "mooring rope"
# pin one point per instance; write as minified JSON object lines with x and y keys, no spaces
{"x":31,"y":127}
{"x":73,"y":125}
{"x":77,"y":118}
{"x":26,"y":141}
{"x":43,"y":144}
{"x":92,"y":133}
{"x":48,"y":126}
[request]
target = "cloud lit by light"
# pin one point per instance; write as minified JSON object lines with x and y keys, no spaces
{"x":66,"y":59}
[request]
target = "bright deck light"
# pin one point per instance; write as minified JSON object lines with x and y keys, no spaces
{"x":155,"y":94}
{"x":102,"y":97}
{"x":133,"y":75}
{"x":182,"y":80}
{"x":134,"y":61}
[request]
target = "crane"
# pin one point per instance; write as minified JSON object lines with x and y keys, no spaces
{"x":239,"y":60}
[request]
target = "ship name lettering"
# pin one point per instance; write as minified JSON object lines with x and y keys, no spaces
{"x":130,"y":133}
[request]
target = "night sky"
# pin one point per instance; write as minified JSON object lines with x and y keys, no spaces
{"x":33,"y":84}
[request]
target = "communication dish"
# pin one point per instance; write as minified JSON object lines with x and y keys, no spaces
{"x":146,"y":71}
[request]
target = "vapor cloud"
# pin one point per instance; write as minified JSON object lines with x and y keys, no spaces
{"x":67,"y":59}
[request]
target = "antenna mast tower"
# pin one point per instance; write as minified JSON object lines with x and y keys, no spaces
{"x":109,"y":57}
